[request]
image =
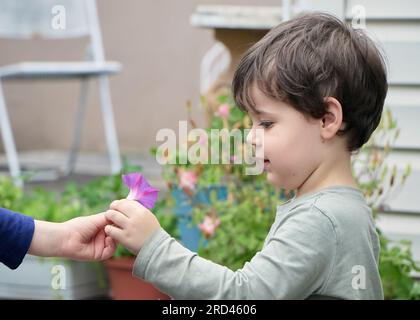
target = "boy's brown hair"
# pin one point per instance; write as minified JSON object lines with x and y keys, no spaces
{"x":313,"y":56}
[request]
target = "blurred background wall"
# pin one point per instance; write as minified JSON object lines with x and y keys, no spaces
{"x":160,"y":52}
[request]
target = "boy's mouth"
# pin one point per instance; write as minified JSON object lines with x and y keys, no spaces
{"x":266,"y":164}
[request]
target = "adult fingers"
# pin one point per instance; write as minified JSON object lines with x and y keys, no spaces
{"x":109,"y":248}
{"x":97,"y":219}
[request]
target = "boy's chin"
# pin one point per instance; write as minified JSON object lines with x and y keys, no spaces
{"x":274,"y":180}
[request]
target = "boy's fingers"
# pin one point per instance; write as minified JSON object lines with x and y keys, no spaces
{"x":125,"y":206}
{"x":114,"y":232}
{"x":114,"y":204}
{"x":117,"y":218}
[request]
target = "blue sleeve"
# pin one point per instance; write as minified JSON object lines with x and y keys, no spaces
{"x":16,"y":232}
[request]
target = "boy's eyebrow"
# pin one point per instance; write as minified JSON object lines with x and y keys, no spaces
{"x":260,"y":112}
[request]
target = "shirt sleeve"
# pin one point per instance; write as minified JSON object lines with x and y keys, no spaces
{"x":295,"y":263}
{"x":16,"y":232}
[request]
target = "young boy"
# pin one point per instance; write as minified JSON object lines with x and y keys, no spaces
{"x":317,"y":88}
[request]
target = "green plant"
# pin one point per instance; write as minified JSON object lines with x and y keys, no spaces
{"x":396,"y":267}
{"x":376,"y":178}
{"x":380,"y":183}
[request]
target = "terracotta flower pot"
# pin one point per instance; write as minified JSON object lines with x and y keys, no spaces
{"x":126,"y":287}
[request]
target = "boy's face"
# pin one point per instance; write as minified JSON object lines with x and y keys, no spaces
{"x":292,"y":143}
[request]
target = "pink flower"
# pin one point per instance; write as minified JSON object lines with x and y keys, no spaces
{"x":209,"y":225}
{"x":203,"y":140}
{"x":187,"y":179}
{"x":140,"y":189}
{"x":224,"y":111}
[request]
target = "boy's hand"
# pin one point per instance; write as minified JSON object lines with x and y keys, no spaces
{"x":133,"y":224}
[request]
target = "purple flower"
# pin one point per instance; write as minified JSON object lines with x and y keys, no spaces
{"x":140,"y":189}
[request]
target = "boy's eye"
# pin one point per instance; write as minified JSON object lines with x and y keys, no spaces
{"x":266,"y":124}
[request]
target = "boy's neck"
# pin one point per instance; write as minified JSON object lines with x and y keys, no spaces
{"x":335,"y":171}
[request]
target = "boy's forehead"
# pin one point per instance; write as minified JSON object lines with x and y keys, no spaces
{"x":264,"y":104}
{"x":259,"y":100}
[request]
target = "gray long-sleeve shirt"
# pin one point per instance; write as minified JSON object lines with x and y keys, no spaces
{"x":321,"y":243}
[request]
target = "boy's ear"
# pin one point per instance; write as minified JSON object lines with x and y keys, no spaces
{"x":332,"y":121}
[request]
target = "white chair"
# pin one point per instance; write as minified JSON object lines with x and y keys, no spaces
{"x":62,"y":19}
